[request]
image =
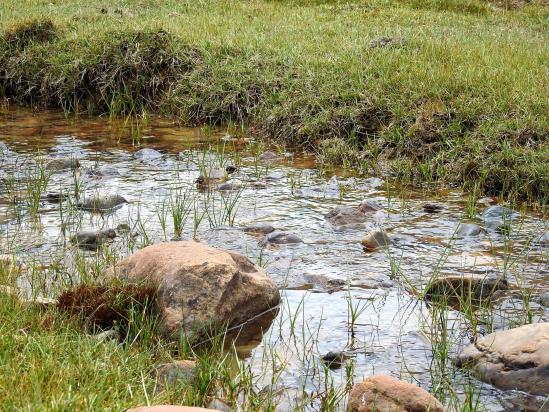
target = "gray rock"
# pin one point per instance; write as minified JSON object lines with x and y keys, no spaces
{"x":281,"y":238}
{"x":147,"y":154}
{"x":218,"y":405}
{"x":514,"y":359}
{"x":347,"y":215}
{"x":367,"y":206}
{"x":259,"y":228}
{"x":499,"y":212}
{"x":59,"y":164}
{"x":375,"y":240}
{"x":468,"y":230}
{"x":93,"y":239}
{"x":104,"y":171}
{"x":499,"y":226}
{"x":229,"y":186}
{"x":544,"y":299}
{"x":101,"y":203}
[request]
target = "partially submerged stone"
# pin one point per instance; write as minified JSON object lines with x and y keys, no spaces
{"x":500,"y":213}
{"x":90,"y":239}
{"x":466,"y":287}
{"x":348,"y":215}
{"x":468,"y":230}
{"x":432,"y":207}
{"x":259,"y":228}
{"x":512,"y":359}
{"x":386,"y":394}
{"x":282,"y":238}
{"x":200,"y":286}
{"x":147,"y":154}
{"x":59,"y":164}
{"x":101,"y":203}
{"x":375,"y":240}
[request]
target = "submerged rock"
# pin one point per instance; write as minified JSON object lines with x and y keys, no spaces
{"x":432,"y":207}
{"x":512,"y":359}
{"x":55,"y":197}
{"x":468,"y":230}
{"x":170,"y":374}
{"x":93,"y":239}
{"x":101,"y":203}
{"x":148,"y":154}
{"x":281,"y":238}
{"x":259,"y":228}
{"x":59,"y":164}
{"x":347,"y":215}
{"x":386,"y":394}
{"x":199,"y":286}
{"x":375,"y":240}
{"x":499,"y":212}
{"x":229,"y":186}
{"x":462,"y":287}
{"x":104,"y":171}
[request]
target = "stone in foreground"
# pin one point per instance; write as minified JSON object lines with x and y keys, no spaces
{"x":512,"y":359}
{"x":386,"y":394}
{"x":173,"y":373}
{"x":199,"y":286}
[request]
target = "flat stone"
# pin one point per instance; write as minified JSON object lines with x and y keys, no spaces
{"x":514,"y":359}
{"x":101,"y":203}
{"x":259,"y":228}
{"x":147,"y":154}
{"x":386,"y":394}
{"x":59,"y":164}
{"x":281,"y":238}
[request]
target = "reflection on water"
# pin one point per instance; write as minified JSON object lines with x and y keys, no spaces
{"x":325,"y":279}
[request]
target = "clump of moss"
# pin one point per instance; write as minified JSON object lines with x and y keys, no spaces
{"x":106,"y":307}
{"x":22,"y":34}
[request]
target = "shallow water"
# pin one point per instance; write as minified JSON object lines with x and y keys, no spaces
{"x":321,"y":278}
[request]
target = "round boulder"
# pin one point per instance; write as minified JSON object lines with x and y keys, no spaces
{"x":512,"y":359}
{"x":376,"y":239}
{"x":386,"y":394}
{"x":200,"y":287}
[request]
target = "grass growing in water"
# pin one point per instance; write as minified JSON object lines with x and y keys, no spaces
{"x":450,"y":91}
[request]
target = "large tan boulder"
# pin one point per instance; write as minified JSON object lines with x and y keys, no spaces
{"x":386,"y":394}
{"x":170,"y":408}
{"x":512,"y":359}
{"x":200,"y":287}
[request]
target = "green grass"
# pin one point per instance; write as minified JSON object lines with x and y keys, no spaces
{"x":463,"y":100}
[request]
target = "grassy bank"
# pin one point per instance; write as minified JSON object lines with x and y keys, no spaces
{"x":459,"y":94}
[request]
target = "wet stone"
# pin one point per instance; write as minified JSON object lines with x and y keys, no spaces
{"x":498,"y":226}
{"x":281,"y":238}
{"x":229,"y":186}
{"x":54,"y":197}
{"x":468,"y":230}
{"x":60,"y":164}
{"x":93,"y":239}
{"x":259,"y":228}
{"x":148,"y":154}
{"x":511,"y":359}
{"x":499,"y":212}
{"x":542,"y":240}
{"x":458,"y":287}
{"x":334,"y":360}
{"x":104,"y":171}
{"x":375,"y":240}
{"x":101,"y":203}
{"x":432,"y":207}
